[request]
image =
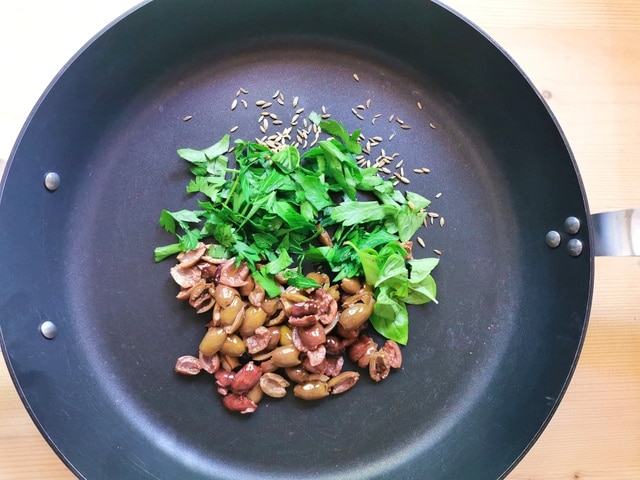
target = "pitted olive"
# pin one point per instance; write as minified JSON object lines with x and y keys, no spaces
{"x":213,"y":340}
{"x":285,"y":356}
{"x":273,"y":385}
{"x":255,"y":394}
{"x":321,"y":279}
{"x":297,"y":374}
{"x":228,"y":315}
{"x":233,"y":346}
{"x":274,"y":339}
{"x":311,"y":390}
{"x":254,"y":317}
{"x":247,"y":288}
{"x":350,"y":285}
{"x":286,"y":335}
{"x":224,"y":295}
{"x":355,"y":315}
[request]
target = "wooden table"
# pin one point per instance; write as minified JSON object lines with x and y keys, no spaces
{"x":584,"y":56}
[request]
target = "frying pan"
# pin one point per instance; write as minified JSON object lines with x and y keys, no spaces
{"x":484,"y":369}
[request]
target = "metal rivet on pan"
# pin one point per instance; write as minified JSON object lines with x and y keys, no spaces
{"x":52,"y":181}
{"x":572,"y":225}
{"x":48,"y":329}
{"x":574,"y":247}
{"x":553,"y":239}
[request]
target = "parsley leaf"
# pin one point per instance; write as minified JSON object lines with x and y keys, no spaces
{"x":298,"y":280}
{"x":352,"y":213}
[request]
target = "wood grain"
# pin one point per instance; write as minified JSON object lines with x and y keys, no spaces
{"x":584,"y":57}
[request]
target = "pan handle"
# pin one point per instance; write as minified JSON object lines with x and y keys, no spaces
{"x":617,"y":233}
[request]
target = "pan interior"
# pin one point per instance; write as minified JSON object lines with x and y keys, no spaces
{"x":137,"y":325}
{"x":483,"y":368}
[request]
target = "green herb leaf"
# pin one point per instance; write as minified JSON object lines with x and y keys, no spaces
{"x":394,"y":274}
{"x":390,"y":317}
{"x":190,"y":239}
{"x":201,"y":184}
{"x":266,"y":281}
{"x":369,"y":260}
{"x":315,"y":118}
{"x":287,"y":160}
{"x":288,"y":213}
{"x":408,"y":221}
{"x":203,"y":156}
{"x":168,"y":219}
{"x":218,"y":251}
{"x":335,"y":160}
{"x":160,"y":253}
{"x":422,"y":292}
{"x":298,"y":280}
{"x":280,"y":264}
{"x":314,"y":191}
{"x":421,"y":267}
{"x":337,"y":130}
{"x":417,"y":200}
{"x":351,"y":213}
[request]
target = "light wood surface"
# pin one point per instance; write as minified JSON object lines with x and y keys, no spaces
{"x":584,"y":55}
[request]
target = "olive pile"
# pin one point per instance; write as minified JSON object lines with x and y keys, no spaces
{"x":257,"y":346}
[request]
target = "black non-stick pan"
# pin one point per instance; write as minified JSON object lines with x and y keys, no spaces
{"x":90,"y":326}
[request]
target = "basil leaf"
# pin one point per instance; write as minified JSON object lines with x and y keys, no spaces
{"x":422,"y":267}
{"x":393,"y":273}
{"x":422,"y":292}
{"x":409,"y":221}
{"x":369,"y":259}
{"x":390,"y":317}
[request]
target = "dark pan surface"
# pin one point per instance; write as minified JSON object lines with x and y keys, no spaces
{"x":484,"y":369}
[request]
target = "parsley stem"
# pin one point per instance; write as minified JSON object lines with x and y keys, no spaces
{"x":233,"y":188}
